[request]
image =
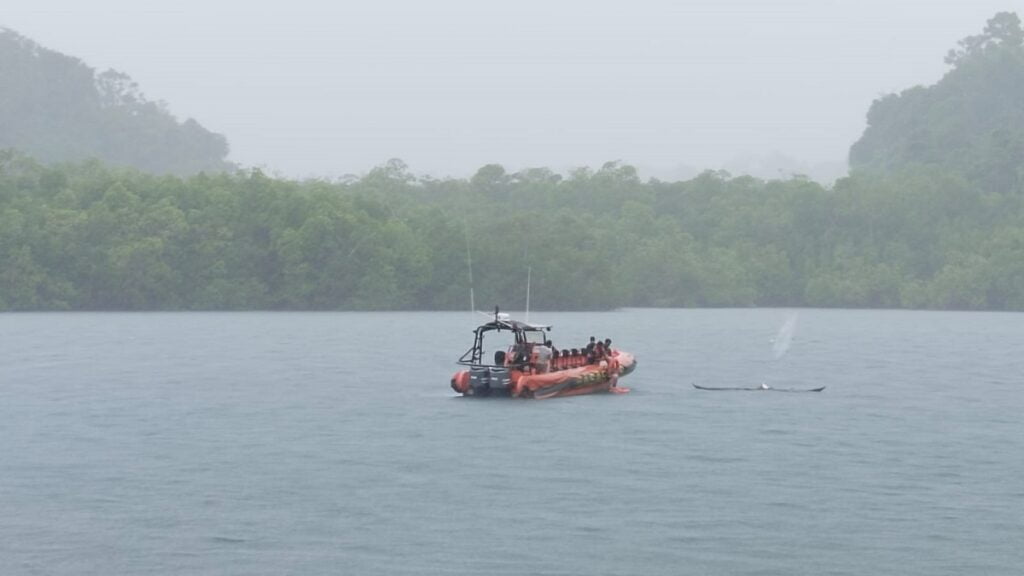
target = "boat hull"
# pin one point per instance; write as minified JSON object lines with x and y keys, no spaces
{"x":481,"y":381}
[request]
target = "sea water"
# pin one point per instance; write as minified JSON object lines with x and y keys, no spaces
{"x":331,"y":443}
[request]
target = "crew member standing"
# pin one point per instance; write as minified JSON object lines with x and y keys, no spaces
{"x":543,"y":357}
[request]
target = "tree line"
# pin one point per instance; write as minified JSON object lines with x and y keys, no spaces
{"x":88,"y":236}
{"x":931,"y":216}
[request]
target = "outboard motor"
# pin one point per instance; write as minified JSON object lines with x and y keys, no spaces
{"x":480,"y":380}
{"x":501,"y":382}
{"x":493,"y":381}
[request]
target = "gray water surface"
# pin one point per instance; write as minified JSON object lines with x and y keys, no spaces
{"x":273,"y":444}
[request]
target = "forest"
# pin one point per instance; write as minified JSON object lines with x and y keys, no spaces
{"x":57,"y":109}
{"x":931,"y":216}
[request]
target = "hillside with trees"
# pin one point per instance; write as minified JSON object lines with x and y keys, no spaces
{"x":56,"y":109}
{"x":972,"y":120}
{"x":918,"y":226}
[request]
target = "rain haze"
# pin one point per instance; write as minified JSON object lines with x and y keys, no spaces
{"x":322,"y":89}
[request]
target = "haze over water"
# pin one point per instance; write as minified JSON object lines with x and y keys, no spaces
{"x":330,"y":443}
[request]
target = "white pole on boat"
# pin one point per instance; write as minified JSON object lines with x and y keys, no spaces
{"x":469,"y":263}
{"x":529,"y":269}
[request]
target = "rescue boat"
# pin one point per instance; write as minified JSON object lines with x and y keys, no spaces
{"x":523,"y":368}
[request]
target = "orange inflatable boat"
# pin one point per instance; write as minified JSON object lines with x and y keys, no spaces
{"x":527,"y":365}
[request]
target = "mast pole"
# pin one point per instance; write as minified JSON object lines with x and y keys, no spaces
{"x":529,"y":269}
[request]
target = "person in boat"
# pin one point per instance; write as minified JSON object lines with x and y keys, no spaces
{"x":591,"y":345}
{"x":610,"y":363}
{"x":522,"y":355}
{"x":543,"y":357}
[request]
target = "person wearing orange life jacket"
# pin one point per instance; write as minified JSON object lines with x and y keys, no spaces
{"x":613,"y":362}
{"x":597,"y":356}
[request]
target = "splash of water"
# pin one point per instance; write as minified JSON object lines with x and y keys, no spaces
{"x":784,"y":338}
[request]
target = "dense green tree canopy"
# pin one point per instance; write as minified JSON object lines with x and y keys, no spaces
{"x":85,"y":237}
{"x":933,"y":217}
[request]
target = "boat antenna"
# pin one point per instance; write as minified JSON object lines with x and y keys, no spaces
{"x":528,"y":270}
{"x":469,"y":264}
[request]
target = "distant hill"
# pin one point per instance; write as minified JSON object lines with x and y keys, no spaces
{"x":56,"y":108}
{"x":971,"y":121}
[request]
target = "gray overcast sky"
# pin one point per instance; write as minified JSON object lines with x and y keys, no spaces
{"x":320,"y":88}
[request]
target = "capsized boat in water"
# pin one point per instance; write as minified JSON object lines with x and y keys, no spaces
{"x":529,"y":368}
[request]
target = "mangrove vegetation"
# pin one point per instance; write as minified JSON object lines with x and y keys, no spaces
{"x":931,"y":216}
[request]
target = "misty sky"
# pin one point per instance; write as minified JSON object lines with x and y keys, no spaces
{"x":322,"y":88}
